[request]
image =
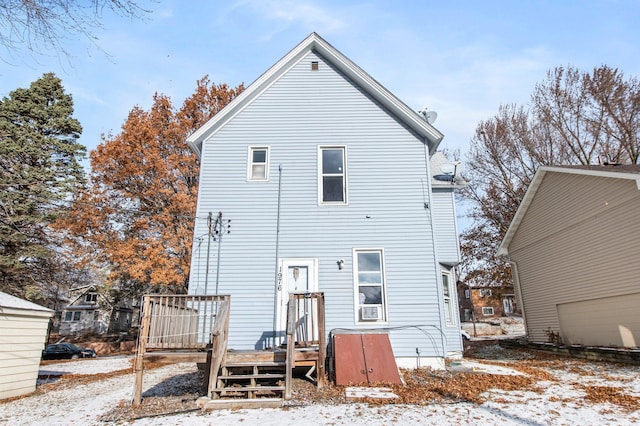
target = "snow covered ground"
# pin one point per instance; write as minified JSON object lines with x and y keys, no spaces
{"x":560,"y":400}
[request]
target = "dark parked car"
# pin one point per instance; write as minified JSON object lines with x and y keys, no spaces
{"x":67,"y":351}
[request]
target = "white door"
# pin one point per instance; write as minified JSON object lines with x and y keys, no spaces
{"x":297,"y":275}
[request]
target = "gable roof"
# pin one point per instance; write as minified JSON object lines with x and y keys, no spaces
{"x":316,"y":43}
{"x":9,"y":301}
{"x":85,"y":290}
{"x":631,"y":172}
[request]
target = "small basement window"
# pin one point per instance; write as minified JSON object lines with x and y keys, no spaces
{"x":487,"y":311}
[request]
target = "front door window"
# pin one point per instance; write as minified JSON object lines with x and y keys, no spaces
{"x":298,"y":276}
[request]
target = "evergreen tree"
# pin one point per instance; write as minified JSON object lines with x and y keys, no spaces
{"x":39,"y":168}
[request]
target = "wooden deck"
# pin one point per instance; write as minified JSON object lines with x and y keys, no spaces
{"x":195,"y":329}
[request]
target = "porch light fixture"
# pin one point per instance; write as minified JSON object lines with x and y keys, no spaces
{"x":340,"y":264}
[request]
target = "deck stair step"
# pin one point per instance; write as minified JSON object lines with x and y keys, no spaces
{"x":252,"y":376}
{"x":246,"y":380}
{"x":234,"y":404}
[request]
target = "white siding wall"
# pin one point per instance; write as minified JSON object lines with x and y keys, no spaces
{"x":387,"y":172}
{"x":578,"y":241}
{"x":22,"y":336}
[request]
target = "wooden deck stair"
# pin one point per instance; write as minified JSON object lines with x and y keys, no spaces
{"x":264,"y":378}
{"x":233,"y":379}
{"x":249,"y":384}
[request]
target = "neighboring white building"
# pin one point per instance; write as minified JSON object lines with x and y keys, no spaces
{"x":574,"y":246}
{"x":23,"y":330}
{"x":91,"y":312}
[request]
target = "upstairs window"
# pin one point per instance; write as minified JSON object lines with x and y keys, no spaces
{"x":332,"y":179}
{"x":258,"y":164}
{"x":485,"y":292}
{"x":370,"y":286}
{"x":91,"y":297}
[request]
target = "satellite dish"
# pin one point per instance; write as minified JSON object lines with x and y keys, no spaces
{"x":429,"y":116}
{"x":448,"y":169}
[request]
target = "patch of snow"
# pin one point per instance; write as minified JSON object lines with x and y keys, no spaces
{"x":478,"y":367}
{"x":85,"y":366}
{"x":556,"y":402}
{"x":362,"y":392}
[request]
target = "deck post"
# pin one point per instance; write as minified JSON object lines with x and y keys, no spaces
{"x":142,"y":342}
{"x":291,"y":343}
{"x":219,"y":346}
{"x":322,"y":344}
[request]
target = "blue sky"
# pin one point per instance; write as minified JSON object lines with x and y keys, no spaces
{"x":462,"y":59}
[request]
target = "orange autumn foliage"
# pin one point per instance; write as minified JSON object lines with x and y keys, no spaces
{"x":136,"y":216}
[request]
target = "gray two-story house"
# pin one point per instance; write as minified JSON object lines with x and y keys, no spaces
{"x":317,"y":178}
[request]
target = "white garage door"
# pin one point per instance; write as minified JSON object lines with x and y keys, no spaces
{"x":609,"y":321}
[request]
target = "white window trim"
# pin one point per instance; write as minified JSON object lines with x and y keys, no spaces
{"x":452,"y":310}
{"x":356,"y":296}
{"x":250,"y":150}
{"x":73,"y":315}
{"x":488,"y":307}
{"x":321,"y":202}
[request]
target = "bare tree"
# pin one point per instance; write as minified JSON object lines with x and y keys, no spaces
{"x":43,"y":25}
{"x":574,"y":118}
{"x":620,"y":102}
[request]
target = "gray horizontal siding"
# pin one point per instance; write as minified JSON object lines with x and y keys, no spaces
{"x":593,"y":255}
{"x":444,"y":213}
{"x":386,"y":175}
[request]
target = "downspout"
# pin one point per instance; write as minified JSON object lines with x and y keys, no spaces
{"x":516,"y":284}
{"x":436,"y":265}
{"x":277,"y":272}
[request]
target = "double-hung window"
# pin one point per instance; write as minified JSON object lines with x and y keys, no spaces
{"x":332,"y":176}
{"x":72,"y":316}
{"x":446,"y":294}
{"x":370,"y":285}
{"x":258,"y":164}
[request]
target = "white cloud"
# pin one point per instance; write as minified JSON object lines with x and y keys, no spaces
{"x":309,"y":15}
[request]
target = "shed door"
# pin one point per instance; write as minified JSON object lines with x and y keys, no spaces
{"x":298,"y":275}
{"x":364,"y":358}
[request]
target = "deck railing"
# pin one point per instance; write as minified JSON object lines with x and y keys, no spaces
{"x":182,"y":322}
{"x":305,"y":330}
{"x":179,"y":321}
